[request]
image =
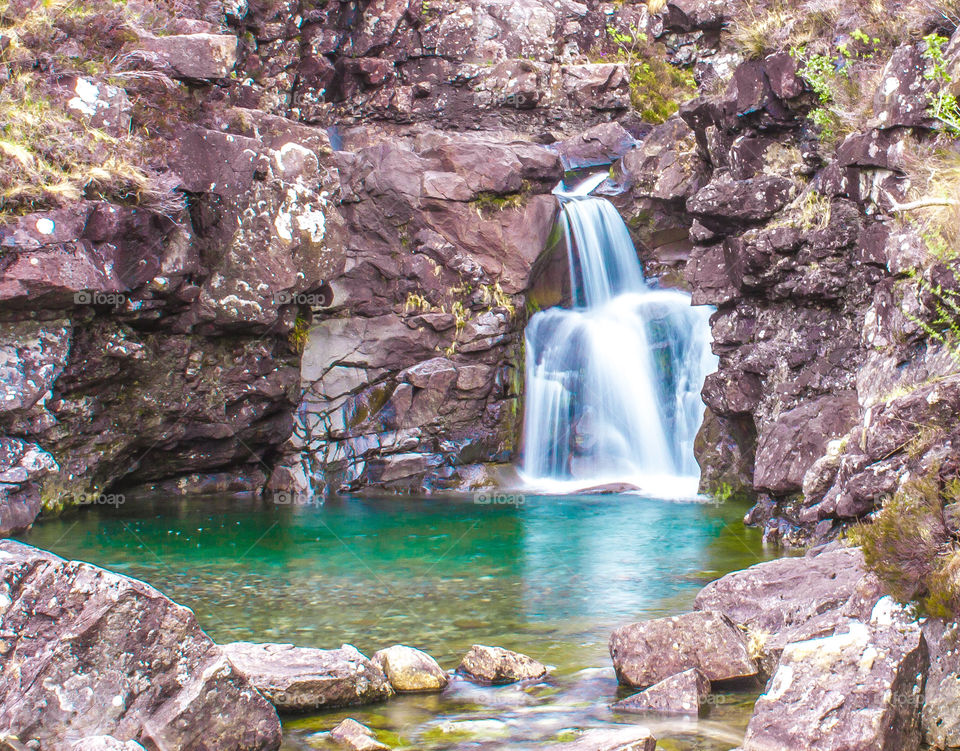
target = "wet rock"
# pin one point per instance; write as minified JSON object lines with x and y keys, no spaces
{"x":599,"y":145}
{"x":682,"y":693}
{"x":645,"y":653}
{"x":793,"y":599}
{"x":632,"y":738}
{"x":410,"y":670}
{"x":498,"y":666}
{"x":122,"y":659}
{"x":300,"y":678}
{"x":870,"y":698}
{"x":356,"y":737}
{"x":940,"y":722}
{"x":194,"y":56}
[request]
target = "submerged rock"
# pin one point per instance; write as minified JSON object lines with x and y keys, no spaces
{"x":498,"y":666}
{"x":855,"y":690}
{"x":410,"y":670}
{"x":682,"y":693}
{"x":88,"y":653}
{"x":627,"y":738}
{"x":647,"y":652}
{"x":300,"y":678}
{"x":357,"y":737}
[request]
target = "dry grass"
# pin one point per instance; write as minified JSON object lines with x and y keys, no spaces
{"x":49,"y":155}
{"x":934,"y":172}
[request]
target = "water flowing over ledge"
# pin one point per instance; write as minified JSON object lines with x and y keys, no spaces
{"x":613,"y":384}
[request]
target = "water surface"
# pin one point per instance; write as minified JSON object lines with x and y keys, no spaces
{"x":550,"y":577}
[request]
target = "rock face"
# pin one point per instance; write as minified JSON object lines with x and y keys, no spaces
{"x":299,"y":678}
{"x":871,"y":698}
{"x":793,"y":599}
{"x":498,"y":666}
{"x":632,"y":738}
{"x":646,"y":653}
{"x":410,"y":670}
{"x":105,"y":743}
{"x":682,"y":693}
{"x":122,"y":659}
{"x":940,"y":723}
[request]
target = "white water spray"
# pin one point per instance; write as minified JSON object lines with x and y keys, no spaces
{"x":613,"y":384}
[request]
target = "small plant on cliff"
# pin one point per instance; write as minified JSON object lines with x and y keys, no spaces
{"x":494,"y":297}
{"x":656,"y":86}
{"x":943,"y":103}
{"x":943,"y":325}
{"x":911,"y":545}
{"x":297,"y":338}
{"x":489,"y":203}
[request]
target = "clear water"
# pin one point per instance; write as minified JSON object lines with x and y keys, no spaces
{"x":551,"y":578}
{"x":613,"y":384}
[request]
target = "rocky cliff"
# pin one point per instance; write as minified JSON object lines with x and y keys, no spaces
{"x":294,"y":245}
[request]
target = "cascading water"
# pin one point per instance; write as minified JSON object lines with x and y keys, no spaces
{"x":613,"y":384}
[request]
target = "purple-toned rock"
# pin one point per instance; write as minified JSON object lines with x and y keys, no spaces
{"x":196,"y":56}
{"x":793,"y":599}
{"x":87,"y":652}
{"x":645,"y":653}
{"x":859,"y":689}
{"x":300,"y":678}
{"x":682,"y":693}
{"x":497,"y":666}
{"x":105,"y":743}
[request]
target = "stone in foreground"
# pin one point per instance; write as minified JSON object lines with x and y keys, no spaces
{"x":793,"y":599}
{"x":626,"y":738}
{"x":856,"y":690}
{"x":357,"y":737}
{"x":682,"y":693}
{"x":105,"y":743}
{"x":88,"y":652}
{"x":197,"y":56}
{"x":410,"y":670}
{"x":301,"y":678}
{"x":648,"y":652}
{"x":497,"y":666}
{"x":941,"y":697}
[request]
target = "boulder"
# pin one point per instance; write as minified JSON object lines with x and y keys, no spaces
{"x":682,"y":693}
{"x":498,"y":666}
{"x":410,"y":670}
{"x":940,"y":720}
{"x":300,"y":678}
{"x":724,"y":202}
{"x":626,"y":738}
{"x":357,"y":737}
{"x":645,"y":653}
{"x":792,"y":599}
{"x":854,"y":690}
{"x":119,"y":658}
{"x":194,"y":56}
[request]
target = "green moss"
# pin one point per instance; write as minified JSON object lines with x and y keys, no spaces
{"x":489,"y":203}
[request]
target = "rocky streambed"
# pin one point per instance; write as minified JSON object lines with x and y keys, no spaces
{"x":88,"y":652}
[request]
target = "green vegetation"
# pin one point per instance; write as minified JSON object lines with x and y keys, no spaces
{"x":656,"y":86}
{"x":297,"y":338}
{"x":943,"y":103}
{"x":944,"y":325}
{"x":911,"y":543}
{"x":489,"y":203}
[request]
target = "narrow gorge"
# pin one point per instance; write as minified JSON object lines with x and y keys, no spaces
{"x":471,"y":374}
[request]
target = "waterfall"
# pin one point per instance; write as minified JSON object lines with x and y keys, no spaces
{"x":613,"y":384}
